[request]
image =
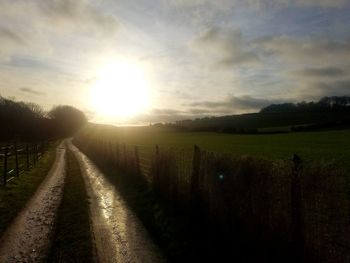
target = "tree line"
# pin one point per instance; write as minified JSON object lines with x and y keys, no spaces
{"x":28,"y":121}
{"x":333,"y":103}
{"x":328,"y":112}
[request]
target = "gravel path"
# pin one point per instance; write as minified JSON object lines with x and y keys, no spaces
{"x":119,"y":235}
{"x":28,"y":238}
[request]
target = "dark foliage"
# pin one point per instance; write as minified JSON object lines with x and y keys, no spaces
{"x":67,"y":119}
{"x":325,"y":104}
{"x":27,"y":121}
{"x":326,"y":113}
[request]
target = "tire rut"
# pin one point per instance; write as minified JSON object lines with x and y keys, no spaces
{"x":119,"y":234}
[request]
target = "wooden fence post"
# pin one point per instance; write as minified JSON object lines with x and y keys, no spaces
{"x":16,"y":159}
{"x":40,"y":150}
{"x":195,"y":192}
{"x":297,"y":216}
{"x":125,"y":157}
{"x":27,"y":156}
{"x":34,"y":153}
{"x":111,"y":152}
{"x":117,"y":155}
{"x":156,"y":172}
{"x":157,"y":151}
{"x":137,"y":161}
{"x":5,"y":166}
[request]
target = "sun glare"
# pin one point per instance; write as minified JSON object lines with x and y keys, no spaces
{"x":121,"y":90}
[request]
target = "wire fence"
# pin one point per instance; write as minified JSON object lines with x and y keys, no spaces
{"x":16,"y":158}
{"x":276,"y":205}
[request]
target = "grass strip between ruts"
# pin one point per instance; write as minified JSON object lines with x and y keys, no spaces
{"x":72,"y":240}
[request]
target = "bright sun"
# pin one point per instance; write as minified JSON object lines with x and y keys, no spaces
{"x":121,"y":90}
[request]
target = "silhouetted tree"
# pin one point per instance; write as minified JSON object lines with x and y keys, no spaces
{"x":333,"y":103}
{"x":35,"y":109}
{"x":21,"y":120}
{"x":67,"y":119}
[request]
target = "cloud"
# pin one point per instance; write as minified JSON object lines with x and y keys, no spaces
{"x":300,"y":3}
{"x":162,"y":115}
{"x":310,"y":67}
{"x":224,"y":48}
{"x":309,"y":51}
{"x":315,"y":90}
{"x":6,"y":35}
{"x":260,"y":4}
{"x":208,"y":5}
{"x":10,"y":41}
{"x":232,"y":105}
{"x":43,"y":28}
{"x":172,"y":115}
{"x":196,"y":111}
{"x":236,"y":104}
{"x":321,"y":3}
{"x":327,"y":72}
{"x":31,"y":91}
{"x":336,"y":88}
{"x":166,"y":112}
{"x":79,"y":14}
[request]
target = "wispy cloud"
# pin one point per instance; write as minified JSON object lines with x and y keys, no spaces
{"x":78,"y":14}
{"x":10,"y":41}
{"x":31,"y":91}
{"x":224,"y":4}
{"x":317,"y":89}
{"x":321,"y":3}
{"x":6,"y":35}
{"x":311,"y":51}
{"x":236,"y":104}
{"x":327,"y":72}
{"x":224,"y":48}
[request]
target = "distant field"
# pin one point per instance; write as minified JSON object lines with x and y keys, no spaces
{"x":325,"y":145}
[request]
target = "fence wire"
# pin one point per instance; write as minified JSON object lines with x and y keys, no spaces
{"x":275,"y":204}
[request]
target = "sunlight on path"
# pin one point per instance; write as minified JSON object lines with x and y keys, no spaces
{"x":27,"y":239}
{"x":119,"y":235}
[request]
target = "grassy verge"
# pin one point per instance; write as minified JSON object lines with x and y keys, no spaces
{"x":72,"y":240}
{"x":15,"y":195}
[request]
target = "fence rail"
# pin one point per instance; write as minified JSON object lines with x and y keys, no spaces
{"x":15,"y":159}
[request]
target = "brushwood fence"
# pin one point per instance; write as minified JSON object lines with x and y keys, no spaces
{"x":16,"y":158}
{"x":300,"y":211}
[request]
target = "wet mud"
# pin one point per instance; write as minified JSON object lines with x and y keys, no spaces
{"x":119,"y":235}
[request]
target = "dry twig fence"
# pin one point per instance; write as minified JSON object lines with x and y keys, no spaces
{"x":15,"y":159}
{"x":302,"y":212}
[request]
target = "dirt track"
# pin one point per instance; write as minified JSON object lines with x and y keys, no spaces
{"x":28,"y":238}
{"x":119,"y":235}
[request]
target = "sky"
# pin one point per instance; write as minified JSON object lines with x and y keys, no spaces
{"x":197,"y":57}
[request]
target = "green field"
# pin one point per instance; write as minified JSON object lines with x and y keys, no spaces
{"x":311,"y":146}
